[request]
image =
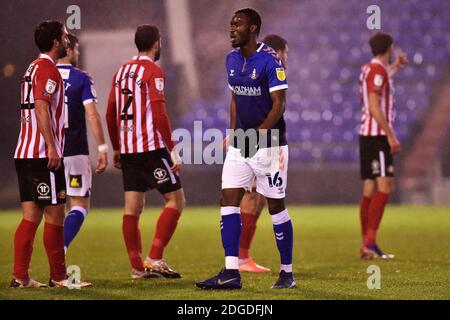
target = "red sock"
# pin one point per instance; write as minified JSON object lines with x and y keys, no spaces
{"x":132,"y":236}
{"x":165,"y":227}
{"x":376,"y":209}
{"x":364,"y":214}
{"x":23,"y":248}
{"x":248,"y":232}
{"x":54,"y":245}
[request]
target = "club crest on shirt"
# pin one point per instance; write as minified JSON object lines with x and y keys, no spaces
{"x":159,"y":84}
{"x":281,"y":74}
{"x":253,"y":76}
{"x":232,"y":73}
{"x":50,"y":86}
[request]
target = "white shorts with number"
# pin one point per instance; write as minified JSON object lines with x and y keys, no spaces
{"x":78,"y":175}
{"x":268,"y":167}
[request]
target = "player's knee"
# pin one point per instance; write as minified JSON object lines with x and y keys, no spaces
{"x":232,"y":199}
{"x":276,"y":206}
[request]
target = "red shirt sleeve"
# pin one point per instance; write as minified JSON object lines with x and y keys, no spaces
{"x":111,"y":118}
{"x":156,"y":85}
{"x":46,"y":83}
{"x":376,"y":80}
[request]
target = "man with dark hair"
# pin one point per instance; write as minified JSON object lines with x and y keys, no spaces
{"x":141,"y":137}
{"x":38,"y":160}
{"x":257,"y":80}
{"x":82,"y":104}
{"x":253,"y":203}
{"x":377,"y":142}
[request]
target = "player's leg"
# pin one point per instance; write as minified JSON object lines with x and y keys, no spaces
{"x":79,"y":181}
{"x":237,"y":176}
{"x":383,"y":171}
{"x":252,"y":205}
{"x":134,"y":205}
{"x":165,"y":228}
{"x":23,"y":245}
{"x":369,"y":189}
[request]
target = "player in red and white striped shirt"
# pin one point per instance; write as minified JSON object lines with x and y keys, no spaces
{"x":38,"y":159}
{"x":377,"y":141}
{"x":141,"y":136}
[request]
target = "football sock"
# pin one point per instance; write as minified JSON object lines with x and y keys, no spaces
{"x":132,"y":236}
{"x":376,"y":210}
{"x":54,"y":246}
{"x":72,"y":223}
{"x":165,"y":228}
{"x":23,"y":248}
{"x":364,"y":214}
{"x":284,"y":234}
{"x":231,"y":229}
{"x":248,"y":232}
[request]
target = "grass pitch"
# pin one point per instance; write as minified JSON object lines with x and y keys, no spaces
{"x":326,"y":256}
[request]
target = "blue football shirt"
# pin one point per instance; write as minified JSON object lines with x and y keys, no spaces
{"x":252,"y":79}
{"x":79,"y":90}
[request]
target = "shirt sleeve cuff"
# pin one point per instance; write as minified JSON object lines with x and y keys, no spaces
{"x":280,"y":87}
{"x":87,"y":101}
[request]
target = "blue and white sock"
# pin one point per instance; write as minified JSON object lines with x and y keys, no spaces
{"x":72,"y":224}
{"x":284,"y":234}
{"x":231,"y":228}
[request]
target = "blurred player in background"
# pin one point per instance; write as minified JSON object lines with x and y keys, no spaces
{"x":81,"y":100}
{"x":378,"y":142}
{"x":258,"y":84}
{"x":141,"y":136}
{"x":253,"y":203}
{"x":38,"y":159}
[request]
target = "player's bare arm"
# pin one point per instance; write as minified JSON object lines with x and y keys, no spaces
{"x":44,"y":125}
{"x":401,"y":61}
{"x":377,"y":114}
{"x":94,"y":121}
{"x":226,"y":142}
{"x":278,"y":106}
{"x":111,"y":122}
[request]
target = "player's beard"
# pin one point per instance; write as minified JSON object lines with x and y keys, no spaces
{"x":61,"y":51}
{"x":157,"y":55}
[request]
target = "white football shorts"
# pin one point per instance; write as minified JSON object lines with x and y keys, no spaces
{"x":78,"y":175}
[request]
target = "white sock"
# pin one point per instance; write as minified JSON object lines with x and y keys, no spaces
{"x":232,"y":263}
{"x":286,"y":268}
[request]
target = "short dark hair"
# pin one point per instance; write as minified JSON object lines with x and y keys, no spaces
{"x":253,"y":16}
{"x":46,"y":32}
{"x":73,"y":40}
{"x":145,"y":37}
{"x":275,"y":41}
{"x":380,"y":43}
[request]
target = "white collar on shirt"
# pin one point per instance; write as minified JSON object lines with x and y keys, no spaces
{"x":46,"y":56}
{"x":142,"y":58}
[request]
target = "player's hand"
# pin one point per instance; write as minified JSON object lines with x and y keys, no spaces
{"x":176,"y":160}
{"x":54,"y":160}
{"x":102,"y":162}
{"x":116,"y":159}
{"x":394,"y":144}
{"x":401,"y":60}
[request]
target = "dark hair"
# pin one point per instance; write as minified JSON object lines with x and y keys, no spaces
{"x":46,"y":32}
{"x":275,"y":41}
{"x":380,"y":43}
{"x":73,"y":40}
{"x":253,"y":16}
{"x":145,"y":37}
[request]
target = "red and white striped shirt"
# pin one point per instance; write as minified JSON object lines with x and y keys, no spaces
{"x":136,"y":116}
{"x":375,"y":78}
{"x":41,"y":81}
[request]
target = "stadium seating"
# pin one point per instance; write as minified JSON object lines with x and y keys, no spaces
{"x":327,"y":46}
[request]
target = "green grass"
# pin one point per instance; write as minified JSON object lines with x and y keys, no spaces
{"x":326,"y":261}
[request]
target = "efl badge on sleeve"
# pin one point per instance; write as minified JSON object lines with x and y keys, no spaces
{"x":281,"y":74}
{"x":378,"y":80}
{"x":50,"y":86}
{"x":159,"y":84}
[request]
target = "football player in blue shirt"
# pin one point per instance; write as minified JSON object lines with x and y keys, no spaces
{"x":258,"y":149}
{"x":81,"y":103}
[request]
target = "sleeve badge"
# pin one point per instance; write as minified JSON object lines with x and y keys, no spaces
{"x":281,"y":74}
